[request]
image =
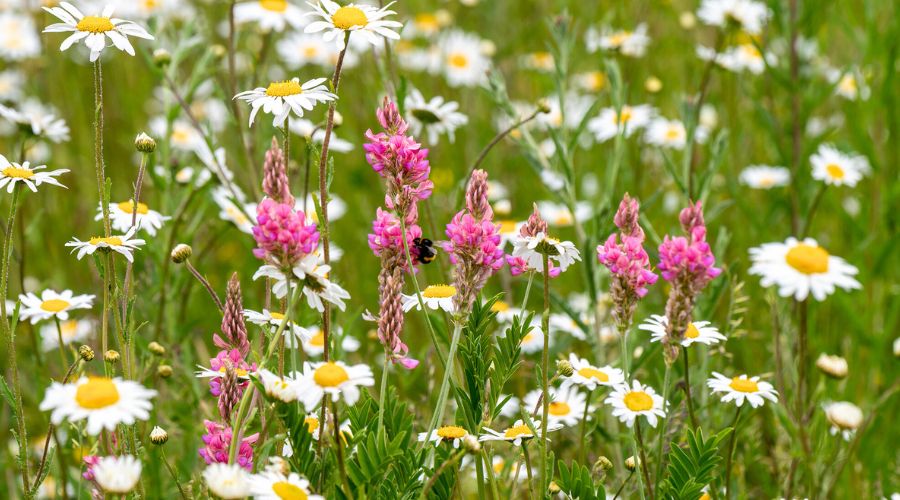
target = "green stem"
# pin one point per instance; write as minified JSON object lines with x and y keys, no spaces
{"x":662,"y":429}
{"x":62,"y":347}
{"x":173,"y":473}
{"x":545,"y":366}
{"x":528,"y":470}
{"x":447,"y":463}
{"x":415,"y":281}
{"x":382,"y":395}
{"x":687,"y":389}
{"x":438,"y":415}
{"x":730,"y":457}
{"x":583,"y":440}
{"x":642,"y":458}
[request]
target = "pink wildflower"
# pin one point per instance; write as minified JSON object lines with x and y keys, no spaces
{"x":387,"y":235}
{"x":282,"y":233}
{"x":219,"y":363}
{"x":217,"y":442}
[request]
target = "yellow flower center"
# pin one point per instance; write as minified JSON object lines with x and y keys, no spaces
{"x":743,"y":385}
{"x":451,"y":432}
{"x":458,"y":60}
{"x":563,"y":219}
{"x":318,"y":340}
{"x":500,"y":306}
{"x":240,"y":372}
{"x":766,"y":181}
{"x":427,"y":22}
{"x":692,"y":332}
{"x":751,"y":51}
{"x":848,"y":84}
{"x":288,"y":491}
{"x":808,"y":259}
{"x":128,"y":207}
{"x":348,"y":17}
{"x":312,"y":423}
{"x":112,"y":241}
{"x":95,"y":24}
{"x":498,"y":466}
{"x":96,"y":393}
{"x":55,"y":305}
{"x":638,"y":401}
{"x":619,"y":38}
{"x":595,"y":80}
{"x":274,"y":6}
{"x":276,"y":315}
{"x":439,"y":292}
{"x":330,"y":375}
{"x":673,"y":133}
{"x":507,"y":226}
{"x":18,"y":173}
{"x":520,"y":430}
{"x":527,"y":338}
{"x":834,"y":171}
{"x":69,"y":328}
{"x":625,"y":115}
{"x":310,"y":51}
{"x":704,"y":496}
{"x":559,"y":409}
{"x":589,"y":372}
{"x":283,"y":89}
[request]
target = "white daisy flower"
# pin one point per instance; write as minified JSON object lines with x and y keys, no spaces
{"x":518,"y":433}
{"x":672,"y":134}
{"x":569,"y":113}
{"x":308,"y":130}
{"x":835,"y":168}
{"x":117,"y":475}
{"x":316,"y":285}
{"x":103,"y":402}
{"x":739,"y":388}
{"x":505,"y":312}
{"x":300,"y":49}
{"x":509,"y":230}
{"x":40,"y":119}
{"x":590,"y":81}
{"x":336,"y":209}
{"x":124,"y":244}
{"x":94,"y":30}
{"x":277,"y":486}
{"x":315,"y":346}
{"x":609,"y":123}
{"x":559,"y":215}
{"x":532,"y":249}
{"x":366,"y":21}
{"x":11,"y":84}
{"x":563,"y":323}
{"x":629,"y":403}
{"x":121,"y":214}
{"x":283,"y":389}
{"x":434,"y":296}
{"x":436,"y":116}
{"x":765,"y":177}
{"x":462,"y":59}
{"x":230,"y":211}
{"x":533,"y":341}
{"x":566,"y":405}
{"x":539,"y":61}
{"x":832,"y":365}
{"x":227,"y":481}
{"x":72,"y":331}
{"x":749,"y":15}
{"x":52,"y":304}
{"x":294,"y":334}
{"x":590,"y":377}
{"x":628,"y":43}
{"x":271,"y":15}
{"x":850,"y":84}
{"x":427,"y":24}
{"x":334,"y":379}
{"x":511,"y":408}
{"x":280,"y":98}
{"x":743,"y":57}
{"x":165,"y":9}
{"x":799,"y":268}
{"x":13,"y":173}
{"x":698,"y":332}
{"x":182,"y":134}
{"x":18,"y":37}
{"x":446,"y":434}
{"x":845,"y":418}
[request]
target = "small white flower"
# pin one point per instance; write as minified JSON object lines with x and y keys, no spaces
{"x":121,"y":215}
{"x":518,"y":433}
{"x":453,"y":434}
{"x":103,"y":402}
{"x":559,"y":215}
{"x":277,"y":486}
{"x":765,"y":177}
{"x":833,"y":366}
{"x":533,"y":341}
{"x":52,"y":304}
{"x":283,"y":389}
{"x":333,"y":379}
{"x":434,"y":296}
{"x":698,"y":332}
{"x":18,"y":37}
{"x":850,"y":84}
{"x":13,"y":173}
{"x":315,"y":346}
{"x":462,"y":59}
{"x":271,"y":15}
{"x":845,"y":418}
{"x":591,"y":377}
{"x":566,"y":406}
{"x":563,"y":323}
{"x":41,"y":119}
{"x":799,"y":268}
{"x":124,"y":244}
{"x":738,"y":389}
{"x":835,"y":168}
{"x":739,"y":58}
{"x":231,"y":211}
{"x":628,"y":43}
{"x":94,"y":30}
{"x":436,"y":116}
{"x":569,"y":113}
{"x":629,"y":403}
{"x":751,"y":16}
{"x":671,"y":134}
{"x":609,"y":123}
{"x":308,"y":130}
{"x":227,"y":481}
{"x":11,"y":84}
{"x":366,"y":21}
{"x":280,"y":98}
{"x":117,"y":474}
{"x":293,"y":333}
{"x":561,"y":253}
{"x":71,"y":331}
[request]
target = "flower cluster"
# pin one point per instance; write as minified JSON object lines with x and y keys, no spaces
{"x":283,"y":234}
{"x":217,"y":442}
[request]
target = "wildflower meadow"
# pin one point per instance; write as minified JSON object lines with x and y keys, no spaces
{"x":460,"y":249}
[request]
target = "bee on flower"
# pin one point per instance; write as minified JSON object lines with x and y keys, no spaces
{"x":738,"y":389}
{"x":94,"y":30}
{"x":698,"y":332}
{"x":366,"y":21}
{"x":280,"y":98}
{"x":800,"y":268}
{"x":103,"y":402}
{"x":52,"y":304}
{"x":11,"y":174}
{"x":124,"y":244}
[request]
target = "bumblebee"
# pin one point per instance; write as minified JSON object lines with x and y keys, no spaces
{"x":425,"y":250}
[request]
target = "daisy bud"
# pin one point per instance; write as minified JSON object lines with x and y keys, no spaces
{"x":471,"y":444}
{"x":897,"y":347}
{"x":553,"y":488}
{"x":164,"y":371}
{"x":86,"y":353}
{"x":543,"y":106}
{"x":603,"y":464}
{"x":338,"y":119}
{"x":564,"y":368}
{"x":653,"y":84}
{"x":144,"y":143}
{"x":631,"y":463}
{"x":181,"y":253}
{"x":159,"y":436}
{"x":833,"y":366}
{"x":687,"y":20}
{"x":111,"y":356}
{"x":161,"y":58}
{"x":157,"y":348}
